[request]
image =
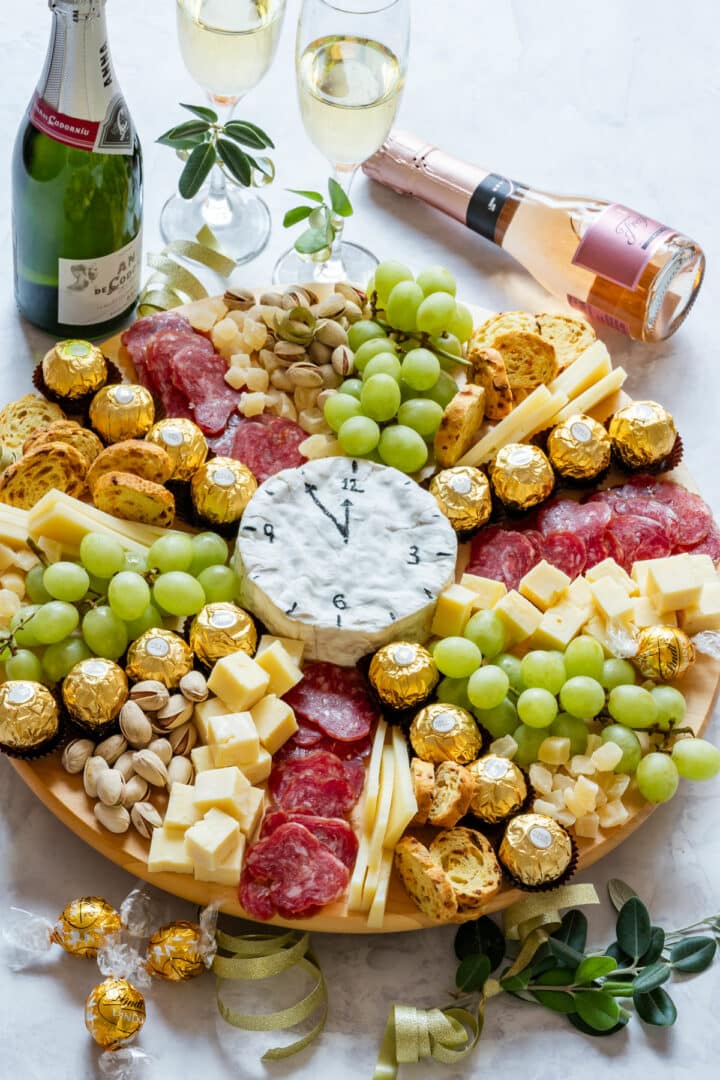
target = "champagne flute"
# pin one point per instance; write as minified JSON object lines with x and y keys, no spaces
{"x":351,"y":59}
{"x":227,"y":46}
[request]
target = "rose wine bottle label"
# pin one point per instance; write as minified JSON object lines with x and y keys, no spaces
{"x":486,"y":204}
{"x":619,"y":244}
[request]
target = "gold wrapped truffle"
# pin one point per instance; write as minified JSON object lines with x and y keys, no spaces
{"x":184,"y":442}
{"x":175,"y":952}
{"x":221,"y":489}
{"x":403,"y":674}
{"x":220,"y":629}
{"x":159,"y":654}
{"x":536,"y":850}
{"x":499,"y":788}
{"x":73,"y":369}
{"x":114,"y":1013}
{"x":521,"y":476}
{"x":29,"y":718}
{"x":642,"y":434}
{"x":445,"y":733}
{"x":122,"y":411}
{"x":94,"y":691}
{"x":463,"y":495}
{"x":663,"y":652}
{"x":84,"y":926}
{"x":579,"y":448}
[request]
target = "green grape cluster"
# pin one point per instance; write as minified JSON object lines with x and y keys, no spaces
{"x":394,"y":408}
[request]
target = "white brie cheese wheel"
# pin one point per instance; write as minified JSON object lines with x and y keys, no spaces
{"x":345,"y":555}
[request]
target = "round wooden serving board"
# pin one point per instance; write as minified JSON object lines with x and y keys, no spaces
{"x":66,"y":799}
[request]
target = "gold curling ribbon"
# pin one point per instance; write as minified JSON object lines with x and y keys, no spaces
{"x":249,"y":957}
{"x":172,"y":284}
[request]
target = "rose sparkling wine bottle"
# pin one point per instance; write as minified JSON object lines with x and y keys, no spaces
{"x":616,"y":266}
{"x":77,"y":185}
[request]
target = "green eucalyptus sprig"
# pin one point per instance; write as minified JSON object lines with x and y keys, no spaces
{"x":204,"y":142}
{"x":321,"y":216}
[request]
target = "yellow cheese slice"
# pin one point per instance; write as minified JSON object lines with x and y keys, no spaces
{"x":13,"y":525}
{"x":591,"y":366}
{"x":68,"y":527}
{"x":376,"y":916}
{"x":357,"y":881}
{"x":375,"y":852}
{"x":404,"y":805}
{"x":610,"y":384}
{"x":529,"y":416}
{"x":134,"y":530}
{"x":372,"y":780}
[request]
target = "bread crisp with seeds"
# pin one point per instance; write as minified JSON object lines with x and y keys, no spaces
{"x":426,"y":882}
{"x":66,"y":431}
{"x":54,"y":465}
{"x":454,"y":787}
{"x":488,"y":371}
{"x":20,"y":418}
{"x":529,"y":359}
{"x":460,"y":424}
{"x":127,"y":496}
{"x":468,"y":859}
{"x":143,"y":459}
{"x":570,"y":336}
{"x":423,"y":778}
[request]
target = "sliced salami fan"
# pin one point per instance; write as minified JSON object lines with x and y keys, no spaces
{"x":160,"y":355}
{"x":199,"y":372}
{"x":694,"y":517}
{"x":501,"y":555}
{"x":308,"y":738}
{"x":646,"y":506}
{"x":318,"y":763}
{"x":638,"y":538}
{"x":267,"y":444}
{"x":710,"y":545}
{"x":308,"y":793}
{"x":334,"y":833}
{"x":566,"y":551}
{"x":336,"y":700}
{"x":568,"y":516}
{"x":137,"y":337}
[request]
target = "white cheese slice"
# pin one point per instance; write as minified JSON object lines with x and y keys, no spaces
{"x":529,"y":416}
{"x":375,"y":850}
{"x":591,"y":366}
{"x":591,"y":397}
{"x":376,"y":915}
{"x":404,"y":805}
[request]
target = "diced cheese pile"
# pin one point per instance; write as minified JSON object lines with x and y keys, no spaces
{"x":15,"y":561}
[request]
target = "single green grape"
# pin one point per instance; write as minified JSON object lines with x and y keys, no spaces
{"x":461,"y":322}
{"x":380,"y":398}
{"x":219,"y":583}
{"x":372,"y":348}
{"x":59,"y":659}
{"x":545,"y":669}
{"x":402,"y":448}
{"x":696,"y":759}
{"x":66,"y":581}
{"x":486,"y":629}
{"x":633,"y":706}
{"x":384,"y":363}
{"x":179,"y":593}
{"x":387,"y":275}
{"x":352,"y":388}
{"x":628,"y":742}
{"x":24,"y":665}
{"x":512,"y":666}
{"x":584,"y":656}
{"x":340,"y":407}
{"x":104,"y":632}
{"x":55,"y":621}
{"x":420,"y":414}
{"x":435,"y":313}
{"x":101,"y":555}
{"x":402,"y":305}
{"x":447,"y":343}
{"x":453,"y":692}
{"x":359,"y":436}
{"x":22,"y":626}
{"x":174,"y":551}
{"x":499,"y":721}
{"x":128,"y":595}
{"x":488,"y":686}
{"x":528,"y":740}
{"x":34,"y":586}
{"x":671,"y":706}
{"x":420,"y":369}
{"x":135,"y":562}
{"x":617,"y":672}
{"x":436,"y":279}
{"x":582,"y":696}
{"x":657,"y":777}
{"x":537,"y":708}
{"x":457,"y":657}
{"x":444,"y":390}
{"x":149,"y":620}
{"x":209,"y":549}
{"x":364,"y":330}
{"x":565,"y":726}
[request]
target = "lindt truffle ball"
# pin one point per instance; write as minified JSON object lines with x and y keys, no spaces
{"x":183,"y":441}
{"x":642,"y":434}
{"x":445,"y":733}
{"x":499,"y":788}
{"x":521,"y":476}
{"x":94,"y":692}
{"x":579,"y":448}
{"x":463,"y":495}
{"x":536,"y":850}
{"x":73,"y":369}
{"x":114,"y":1013}
{"x":175,"y":952}
{"x":221,"y":489}
{"x":663,"y":652}
{"x":84,"y":926}
{"x":220,"y":629}
{"x":161,"y":655}
{"x":403,"y":674}
{"x":29,"y":719}
{"x":122,"y":411}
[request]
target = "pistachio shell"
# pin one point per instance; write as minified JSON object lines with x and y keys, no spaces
{"x":150,"y":695}
{"x":150,"y":767}
{"x":115,"y":819}
{"x":110,"y":787}
{"x":93,"y":767}
{"x":163,"y":749}
{"x":180,"y":771}
{"x":145,"y":818}
{"x":183,"y":739}
{"x":193,"y":686}
{"x":136,"y":788}
{"x":75,"y":754}
{"x":124,"y":765}
{"x":111,"y":748}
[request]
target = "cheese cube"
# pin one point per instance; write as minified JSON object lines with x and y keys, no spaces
{"x":10,"y":604}
{"x":606,"y":757}
{"x":275,"y":722}
{"x":7,"y":558}
{"x":281,"y":668}
{"x":705,"y":615}
{"x":582,"y":798}
{"x":228,"y":872}
{"x":504,"y":747}
{"x":619,"y":786}
{"x":558,"y":626}
{"x":644,"y":613}
{"x":611,"y":598}
{"x":613,"y":814}
{"x":588,"y":826}
{"x":204,"y":712}
{"x":702,"y":565}
{"x":519,"y":617}
{"x":596,"y":628}
{"x":639,"y":573}
{"x":544,"y":806}
{"x":234,"y":739}
{"x":544,"y":584}
{"x":218,"y":788}
{"x":167,"y":853}
{"x":238,"y":681}
{"x":540,"y":778}
{"x":202,"y":758}
{"x":211,"y":840}
{"x":293,"y":648}
{"x":673,"y":584}
{"x":248,"y":809}
{"x":555,"y":750}
{"x":487,"y":590}
{"x":594,"y":742}
{"x":581,"y":765}
{"x":259,"y":770}
{"x":181,"y":810}
{"x":609,"y":568}
{"x":454,"y":608}
{"x":580,"y":594}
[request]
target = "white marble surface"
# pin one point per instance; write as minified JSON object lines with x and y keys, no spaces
{"x":616,"y":99}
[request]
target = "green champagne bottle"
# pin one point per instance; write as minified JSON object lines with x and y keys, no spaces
{"x":77,"y":185}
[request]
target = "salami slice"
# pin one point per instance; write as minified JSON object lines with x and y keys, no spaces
{"x":267,"y":444}
{"x":317,"y":763}
{"x":255,"y":897}
{"x":501,"y":555}
{"x":137,"y":337}
{"x":222,"y":444}
{"x":334,"y":833}
{"x":199,"y":372}
{"x":292,"y":872}
{"x":308,"y":738}
{"x":615,"y":550}
{"x":710,"y":545}
{"x":307,"y":793}
{"x":568,"y":516}
{"x":596,"y":549}
{"x":566,"y":551}
{"x":536,"y":539}
{"x":646,"y":506}
{"x":693,"y":515}
{"x":160,"y":355}
{"x":638,"y":538}
{"x":336,"y":700}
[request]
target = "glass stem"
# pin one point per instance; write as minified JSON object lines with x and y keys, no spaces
{"x":217,"y":210}
{"x":333,"y":269}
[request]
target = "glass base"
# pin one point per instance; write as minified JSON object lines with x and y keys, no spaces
{"x":240,"y":221}
{"x":356,"y":265}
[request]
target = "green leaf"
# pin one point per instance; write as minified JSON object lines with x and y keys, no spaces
{"x":298,"y":214}
{"x":594,"y":967}
{"x":310,"y":241}
{"x":573,"y":930}
{"x":657,"y":944}
{"x":472,"y":973}
{"x":565,"y":953}
{"x":197,"y":169}
{"x":656,"y":1008}
{"x":693,"y":954}
{"x":314,"y":195}
{"x":558,"y":977}
{"x":616,"y":952}
{"x":580,"y":1024}
{"x":248,"y":134}
{"x":619,"y":892}
{"x":236,"y":160}
{"x":338,"y":199}
{"x":633,"y":928}
{"x":515,"y":983}
{"x":202,"y":111}
{"x":182,"y":144}
{"x":263,"y":165}
{"x":481,"y":936}
{"x":557,"y":1000}
{"x":184,"y":131}
{"x":600,"y":1011}
{"x":651,"y":977}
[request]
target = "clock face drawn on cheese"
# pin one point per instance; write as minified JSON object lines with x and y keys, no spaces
{"x":346,"y":555}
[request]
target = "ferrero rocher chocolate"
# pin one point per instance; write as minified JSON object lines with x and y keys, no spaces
{"x":29,"y":720}
{"x":122,"y":411}
{"x":85,"y":925}
{"x":220,"y":629}
{"x":403,"y":674}
{"x":183,"y":441}
{"x":499,"y":788}
{"x":94,"y":692}
{"x":642,"y":434}
{"x":535,"y":849}
{"x":159,"y":654}
{"x":663,"y":652}
{"x":114,"y":1012}
{"x":221,"y":489}
{"x":521,"y":476}
{"x":73,"y":369}
{"x":579,"y":448}
{"x":463,"y":495}
{"x":445,"y":733}
{"x":175,"y":952}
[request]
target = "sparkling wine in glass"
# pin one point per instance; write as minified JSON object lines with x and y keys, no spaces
{"x":227,"y":47}
{"x":351,"y":58}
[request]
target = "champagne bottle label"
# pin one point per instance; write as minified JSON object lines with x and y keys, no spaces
{"x":486,"y":203}
{"x":94,"y":291}
{"x":113,"y":135}
{"x":619,"y":244}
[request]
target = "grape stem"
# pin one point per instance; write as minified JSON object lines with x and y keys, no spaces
{"x":37,"y":551}
{"x":410,"y":339}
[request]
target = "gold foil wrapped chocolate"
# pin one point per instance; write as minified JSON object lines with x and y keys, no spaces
{"x":642,"y":434}
{"x":175,"y":952}
{"x":73,"y":369}
{"x":29,"y":719}
{"x":535,"y":849}
{"x":159,"y":654}
{"x":521,"y":476}
{"x":94,"y":691}
{"x":445,"y":733}
{"x":183,"y":441}
{"x":579,"y":448}
{"x":114,"y":1013}
{"x":220,"y":629}
{"x":499,"y":788}
{"x":663,"y":653}
{"x":463,"y":495}
{"x":84,"y":926}
{"x":122,"y":411}
{"x":221,"y":489}
{"x":403,"y":674}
